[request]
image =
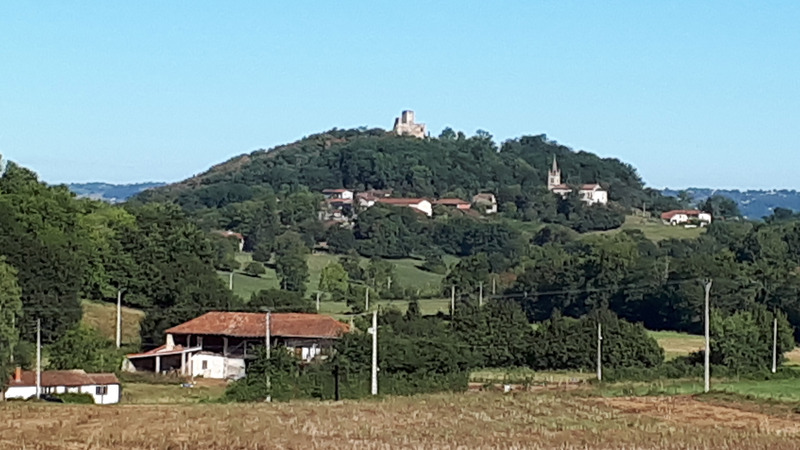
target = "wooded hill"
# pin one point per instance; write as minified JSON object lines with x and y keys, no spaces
{"x":452,"y":165}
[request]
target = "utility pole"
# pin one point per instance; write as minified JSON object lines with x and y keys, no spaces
{"x":599,"y":352}
{"x":119,"y":317}
{"x":318,"y":293}
{"x":389,"y":284}
{"x":774,"y":344}
{"x":480,"y":294}
{"x":366,"y":308}
{"x":494,"y":285}
{"x":230,"y":281}
{"x":268,"y":339}
{"x":38,"y":358}
{"x":707,"y":375}
{"x":374,"y":353}
{"x":452,"y":301}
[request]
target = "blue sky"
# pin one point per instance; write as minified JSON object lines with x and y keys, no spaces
{"x":690,"y":93}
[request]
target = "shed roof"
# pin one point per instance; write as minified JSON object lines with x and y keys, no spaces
{"x":52,"y":378}
{"x":241,"y":324}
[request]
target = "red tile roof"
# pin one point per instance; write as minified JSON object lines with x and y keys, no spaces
{"x":63,"y":378}
{"x":590,"y":187}
{"x":400,"y":201}
{"x":253,"y":325}
{"x":335,"y":191}
{"x":689,"y":212}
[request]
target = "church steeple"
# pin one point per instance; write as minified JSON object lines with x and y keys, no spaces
{"x":553,"y":176}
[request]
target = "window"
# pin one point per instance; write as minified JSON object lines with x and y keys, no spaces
{"x":101,"y":390}
{"x":205,"y":365}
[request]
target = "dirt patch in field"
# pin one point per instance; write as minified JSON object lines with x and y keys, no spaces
{"x":688,"y":410}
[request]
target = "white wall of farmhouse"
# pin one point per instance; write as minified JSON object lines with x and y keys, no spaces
{"x":216,"y":366}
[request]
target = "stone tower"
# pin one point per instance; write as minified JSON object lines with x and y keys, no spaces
{"x":405,"y":125}
{"x":553,"y":176}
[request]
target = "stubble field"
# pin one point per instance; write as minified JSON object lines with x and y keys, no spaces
{"x":473,"y":420}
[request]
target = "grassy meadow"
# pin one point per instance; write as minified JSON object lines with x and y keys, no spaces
{"x":654,"y":229}
{"x":406,"y":274}
{"x":102,"y":317}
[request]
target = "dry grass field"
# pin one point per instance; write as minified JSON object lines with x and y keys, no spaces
{"x":472,"y":420}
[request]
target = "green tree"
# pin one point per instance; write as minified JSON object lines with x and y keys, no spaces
{"x":335,"y":281}
{"x":380,"y":273}
{"x":290,"y":262}
{"x":721,"y":207}
{"x":742,"y":342}
{"x":84,"y":348}
{"x":255,"y":269}
{"x":10,"y":314}
{"x":351,"y":262}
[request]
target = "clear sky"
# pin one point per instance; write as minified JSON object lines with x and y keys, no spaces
{"x":692,"y":93}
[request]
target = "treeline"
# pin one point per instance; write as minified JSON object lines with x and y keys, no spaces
{"x":56,"y":250}
{"x":418,"y":354}
{"x":657,"y":284}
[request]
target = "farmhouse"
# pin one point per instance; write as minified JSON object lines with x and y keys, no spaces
{"x":419,"y":204}
{"x":340,"y":194}
{"x":228,"y":234}
{"x":486,"y":201}
{"x":679,"y":216}
{"x":103,"y":387}
{"x":218,"y":344}
{"x":589,"y":193}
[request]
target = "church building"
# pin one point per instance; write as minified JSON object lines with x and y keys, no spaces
{"x":589,"y":193}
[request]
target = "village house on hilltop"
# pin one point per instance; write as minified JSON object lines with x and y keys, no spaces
{"x":589,"y":193}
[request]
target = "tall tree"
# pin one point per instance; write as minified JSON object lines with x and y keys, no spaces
{"x":290,"y":262}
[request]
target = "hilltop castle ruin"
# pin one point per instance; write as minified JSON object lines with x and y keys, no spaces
{"x":405,"y":125}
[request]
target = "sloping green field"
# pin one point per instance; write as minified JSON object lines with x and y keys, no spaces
{"x":407,"y":274}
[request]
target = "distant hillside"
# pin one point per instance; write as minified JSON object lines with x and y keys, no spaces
{"x":753,"y":204}
{"x":112,"y":193}
{"x":452,"y":165}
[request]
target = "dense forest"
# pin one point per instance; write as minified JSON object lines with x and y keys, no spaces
{"x":452,"y":165}
{"x":56,"y":250}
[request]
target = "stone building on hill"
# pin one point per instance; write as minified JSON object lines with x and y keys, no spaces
{"x":405,"y":126}
{"x":589,"y":193}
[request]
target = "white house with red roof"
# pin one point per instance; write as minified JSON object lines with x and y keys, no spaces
{"x":420,"y":204}
{"x":681,"y":216}
{"x":103,"y":387}
{"x":218,"y":344}
{"x":339,"y":194}
{"x":589,"y":193}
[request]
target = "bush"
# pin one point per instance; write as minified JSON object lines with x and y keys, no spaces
{"x":568,"y":344}
{"x":255,"y":269}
